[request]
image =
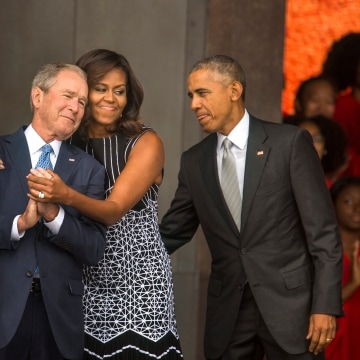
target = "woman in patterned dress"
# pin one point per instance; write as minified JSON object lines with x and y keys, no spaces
{"x":128,"y":298}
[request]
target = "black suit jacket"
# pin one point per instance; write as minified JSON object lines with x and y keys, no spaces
{"x":288,"y":248}
{"x":60,"y":257}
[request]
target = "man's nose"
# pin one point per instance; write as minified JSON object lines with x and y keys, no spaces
{"x":74,"y":105}
{"x":195,"y":104}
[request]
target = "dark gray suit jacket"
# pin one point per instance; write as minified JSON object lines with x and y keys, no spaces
{"x":288,"y":248}
{"x":60,"y":257}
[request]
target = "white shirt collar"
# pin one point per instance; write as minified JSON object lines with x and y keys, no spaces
{"x":239,"y":134}
{"x":35,"y":142}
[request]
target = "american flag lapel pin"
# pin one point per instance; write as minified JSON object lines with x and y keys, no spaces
{"x":259,"y":153}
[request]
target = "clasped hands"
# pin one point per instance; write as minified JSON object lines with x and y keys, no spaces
{"x":35,"y":209}
{"x":45,"y":186}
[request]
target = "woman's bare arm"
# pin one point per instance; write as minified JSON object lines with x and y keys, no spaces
{"x":143,"y":168}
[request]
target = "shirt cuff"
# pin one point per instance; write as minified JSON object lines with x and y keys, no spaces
{"x":15,"y":236}
{"x":55,"y":225}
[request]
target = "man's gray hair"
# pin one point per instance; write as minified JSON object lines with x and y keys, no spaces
{"x":46,"y":76}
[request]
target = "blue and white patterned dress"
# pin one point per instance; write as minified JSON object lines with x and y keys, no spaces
{"x":129,"y":300}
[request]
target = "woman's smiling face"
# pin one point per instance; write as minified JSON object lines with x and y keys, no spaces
{"x":107,"y":99}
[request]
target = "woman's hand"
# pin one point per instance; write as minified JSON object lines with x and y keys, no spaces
{"x":47,"y":186}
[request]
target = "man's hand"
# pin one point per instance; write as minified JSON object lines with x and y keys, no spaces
{"x":29,"y":217}
{"x":322,"y":330}
{"x":48,"y":211}
{"x":2,"y":165}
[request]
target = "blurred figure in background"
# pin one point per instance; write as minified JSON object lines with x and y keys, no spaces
{"x":346,"y":197}
{"x":315,"y":96}
{"x":343,"y":66}
{"x":330,"y":143}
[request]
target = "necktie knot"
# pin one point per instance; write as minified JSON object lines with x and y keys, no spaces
{"x":46,"y":148}
{"x":227,"y":144}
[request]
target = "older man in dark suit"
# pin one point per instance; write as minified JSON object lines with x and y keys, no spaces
{"x":276,"y":253}
{"x":43,"y":246}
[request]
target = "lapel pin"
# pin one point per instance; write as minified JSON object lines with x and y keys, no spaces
{"x":260,"y":153}
{"x":71,"y":159}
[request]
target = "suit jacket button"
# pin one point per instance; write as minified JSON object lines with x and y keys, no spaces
{"x":240,"y":288}
{"x":29,"y":274}
{"x":243,"y":251}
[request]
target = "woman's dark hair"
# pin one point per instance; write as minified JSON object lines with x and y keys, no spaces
{"x":336,"y":144}
{"x":343,"y":60}
{"x":96,"y":64}
{"x":341,"y":184}
{"x":335,"y":140}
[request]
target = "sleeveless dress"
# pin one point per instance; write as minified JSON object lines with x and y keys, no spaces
{"x":128,"y":298}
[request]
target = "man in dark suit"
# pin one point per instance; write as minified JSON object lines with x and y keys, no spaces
{"x":43,"y":246}
{"x":276,"y":270}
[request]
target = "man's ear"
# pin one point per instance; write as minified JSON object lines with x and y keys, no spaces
{"x":36,"y":96}
{"x":236,"y":90}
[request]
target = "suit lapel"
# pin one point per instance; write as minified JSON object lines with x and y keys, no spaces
{"x":19,"y":153}
{"x":67,"y":161}
{"x":256,"y":156}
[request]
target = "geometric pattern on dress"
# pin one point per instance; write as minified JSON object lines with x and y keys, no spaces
{"x":131,"y":288}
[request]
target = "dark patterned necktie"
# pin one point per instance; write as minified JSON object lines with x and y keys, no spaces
{"x":44,"y":159}
{"x":230,"y":183}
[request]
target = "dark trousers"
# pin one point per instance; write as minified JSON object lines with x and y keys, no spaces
{"x":251,"y":340}
{"x":33,"y":339}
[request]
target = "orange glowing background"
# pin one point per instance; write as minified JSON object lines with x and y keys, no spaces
{"x":311,"y":27}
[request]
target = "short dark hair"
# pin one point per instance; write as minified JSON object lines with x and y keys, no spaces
{"x":343,"y":183}
{"x":97,"y":63}
{"x":224,"y":65}
{"x":300,"y":93}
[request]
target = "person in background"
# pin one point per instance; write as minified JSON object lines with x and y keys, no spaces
{"x":257,"y":189}
{"x":315,"y":96}
{"x":43,"y":246}
{"x":330,"y":143}
{"x":346,"y":197}
{"x":129,"y":300}
{"x":342,"y":64}
{"x":313,"y":128}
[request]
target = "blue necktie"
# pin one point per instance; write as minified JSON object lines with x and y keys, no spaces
{"x":44,"y":163}
{"x":44,"y":159}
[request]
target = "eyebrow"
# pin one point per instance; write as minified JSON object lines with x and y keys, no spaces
{"x":103,"y":84}
{"x":198,"y":91}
